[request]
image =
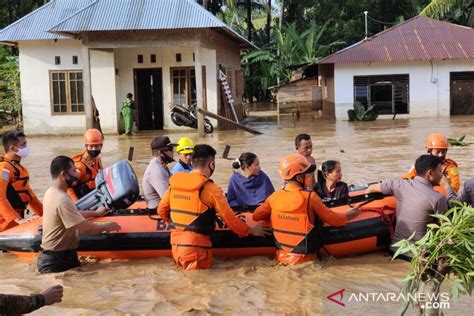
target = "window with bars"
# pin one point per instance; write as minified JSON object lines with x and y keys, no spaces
{"x":184,"y":85}
{"x":67,"y":92}
{"x":389,"y":93}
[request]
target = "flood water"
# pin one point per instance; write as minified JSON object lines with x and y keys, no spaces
{"x":368,"y":151}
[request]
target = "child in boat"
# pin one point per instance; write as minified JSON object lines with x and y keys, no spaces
{"x":329,"y":186}
{"x":252,"y":186}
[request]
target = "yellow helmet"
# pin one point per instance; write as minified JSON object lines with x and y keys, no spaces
{"x":185,"y":146}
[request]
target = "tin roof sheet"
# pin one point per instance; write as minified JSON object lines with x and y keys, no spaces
{"x":417,"y":39}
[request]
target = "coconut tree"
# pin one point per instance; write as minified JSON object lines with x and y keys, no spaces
{"x":458,"y":11}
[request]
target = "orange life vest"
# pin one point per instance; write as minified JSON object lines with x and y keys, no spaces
{"x":18,"y":194}
{"x":88,"y":173}
{"x":292,"y":228}
{"x":187,"y":211}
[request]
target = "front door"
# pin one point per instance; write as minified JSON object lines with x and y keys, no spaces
{"x":462,"y":93}
{"x":149,"y":98}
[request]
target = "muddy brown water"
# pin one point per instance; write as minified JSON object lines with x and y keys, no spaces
{"x":373,"y":151}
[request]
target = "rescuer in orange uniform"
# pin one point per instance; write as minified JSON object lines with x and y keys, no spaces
{"x":192,"y":202}
{"x":437,"y":145}
{"x":88,"y":164}
{"x":295,"y":213}
{"x":15,"y":191}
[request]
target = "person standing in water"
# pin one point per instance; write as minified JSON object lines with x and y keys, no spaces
{"x":192,"y":203}
{"x":437,"y":145}
{"x":294,"y":213}
{"x":304,"y":147}
{"x":329,"y":186}
{"x":252,"y":186}
{"x":185,"y":151}
{"x":127,"y":113}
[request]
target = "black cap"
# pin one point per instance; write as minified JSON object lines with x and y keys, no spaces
{"x":162,"y":143}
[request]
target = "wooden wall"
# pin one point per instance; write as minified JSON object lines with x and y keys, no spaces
{"x":301,"y":95}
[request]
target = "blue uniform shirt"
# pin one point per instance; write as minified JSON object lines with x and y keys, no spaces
{"x":179,"y":166}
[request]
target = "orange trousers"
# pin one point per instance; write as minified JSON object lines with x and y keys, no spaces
{"x":192,"y":258}
{"x":288,"y":258}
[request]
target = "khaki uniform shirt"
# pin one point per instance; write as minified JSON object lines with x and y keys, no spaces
{"x":60,"y":216}
{"x":155,"y":182}
{"x":416,"y":202}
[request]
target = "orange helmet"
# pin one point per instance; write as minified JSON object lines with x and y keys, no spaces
{"x":93,"y":137}
{"x":293,"y":165}
{"x":438,"y":141}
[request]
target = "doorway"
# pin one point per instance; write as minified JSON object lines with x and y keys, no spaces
{"x":149,"y":98}
{"x":462,"y":93}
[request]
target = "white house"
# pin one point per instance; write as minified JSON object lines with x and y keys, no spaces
{"x":419,"y":68}
{"x":74,"y":52}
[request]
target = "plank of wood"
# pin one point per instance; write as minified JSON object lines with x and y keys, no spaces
{"x":228,"y":121}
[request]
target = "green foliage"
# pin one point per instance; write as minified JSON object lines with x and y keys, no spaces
{"x":447,"y":250}
{"x":458,"y":142}
{"x":10,"y":97}
{"x":360,"y":113}
{"x":456,"y":11}
{"x":274,"y":64}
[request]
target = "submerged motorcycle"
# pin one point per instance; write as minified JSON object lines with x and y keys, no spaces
{"x":187,"y":116}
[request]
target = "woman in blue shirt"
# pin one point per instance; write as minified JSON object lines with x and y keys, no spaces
{"x":252,"y":186}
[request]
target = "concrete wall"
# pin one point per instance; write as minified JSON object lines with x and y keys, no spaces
{"x":429,"y":85}
{"x":126,"y":62}
{"x":36,"y":60}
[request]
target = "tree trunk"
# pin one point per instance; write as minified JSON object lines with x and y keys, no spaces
{"x":269,"y":20}
{"x":249,"y":20}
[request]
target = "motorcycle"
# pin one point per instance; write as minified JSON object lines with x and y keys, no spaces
{"x":182,"y":115}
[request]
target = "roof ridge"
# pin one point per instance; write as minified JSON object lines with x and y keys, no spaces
{"x":50,"y":30}
{"x":26,"y":16}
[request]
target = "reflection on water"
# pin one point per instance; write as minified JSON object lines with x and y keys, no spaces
{"x":368,"y":151}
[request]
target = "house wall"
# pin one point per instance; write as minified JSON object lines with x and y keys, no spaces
{"x":429,"y":84}
{"x":36,"y":60}
{"x":126,"y":62}
{"x":301,"y":95}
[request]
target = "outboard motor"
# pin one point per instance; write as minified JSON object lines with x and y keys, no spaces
{"x":116,"y":187}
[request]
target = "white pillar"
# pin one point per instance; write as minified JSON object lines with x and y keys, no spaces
{"x":86,"y":79}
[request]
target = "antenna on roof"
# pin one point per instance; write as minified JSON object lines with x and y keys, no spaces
{"x":366,"y":32}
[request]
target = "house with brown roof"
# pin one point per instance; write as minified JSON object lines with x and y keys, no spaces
{"x":74,"y":53}
{"x":419,"y":68}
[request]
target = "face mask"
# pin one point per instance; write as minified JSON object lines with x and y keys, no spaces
{"x":23,"y":152}
{"x":166,"y":159}
{"x":71,"y":180}
{"x":212,"y":169}
{"x":93,"y":153}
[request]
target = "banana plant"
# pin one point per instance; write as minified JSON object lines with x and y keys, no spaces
{"x":458,"y":142}
{"x":360,"y":113}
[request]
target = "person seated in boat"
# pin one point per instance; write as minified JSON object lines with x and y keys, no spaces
{"x":184,"y":150}
{"x":329,"y":186}
{"x":304,"y":147}
{"x":252,"y":186}
{"x":416,"y":199}
{"x":157,"y":175}
{"x":88,"y":163}
{"x":294,"y":213}
{"x":16,"y":194}
{"x":192,"y":202}
{"x":466,"y":195}
{"x":63,"y":222}
{"x":23,"y":304}
{"x":437,"y":145}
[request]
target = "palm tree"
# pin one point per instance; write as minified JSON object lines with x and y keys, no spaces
{"x":457,"y":11}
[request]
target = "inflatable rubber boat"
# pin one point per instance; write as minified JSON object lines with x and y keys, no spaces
{"x":145,"y":235}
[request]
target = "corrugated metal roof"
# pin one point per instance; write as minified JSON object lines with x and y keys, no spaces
{"x":58,"y":17}
{"x":120,"y":15}
{"x":35,"y":25}
{"x":417,"y":39}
